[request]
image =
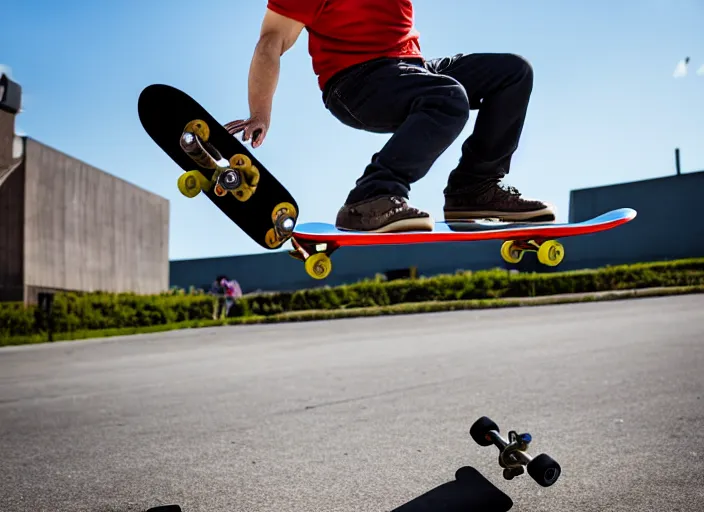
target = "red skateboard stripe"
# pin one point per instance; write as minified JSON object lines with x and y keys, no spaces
{"x":359,"y":238}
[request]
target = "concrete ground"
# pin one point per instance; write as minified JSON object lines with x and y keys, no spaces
{"x":362,"y":414}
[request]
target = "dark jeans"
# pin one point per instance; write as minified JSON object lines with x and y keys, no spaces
{"x":426,"y":106}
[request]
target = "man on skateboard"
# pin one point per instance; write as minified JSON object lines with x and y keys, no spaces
{"x":373,"y":77}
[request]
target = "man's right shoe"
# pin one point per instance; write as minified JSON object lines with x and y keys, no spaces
{"x":494,"y":200}
{"x":383,"y":214}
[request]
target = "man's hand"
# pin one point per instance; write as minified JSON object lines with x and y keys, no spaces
{"x":278,"y":34}
{"x":254,"y":128}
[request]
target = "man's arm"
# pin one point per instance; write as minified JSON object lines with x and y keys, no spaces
{"x":278,"y":34}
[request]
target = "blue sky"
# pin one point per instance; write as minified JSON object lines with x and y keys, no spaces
{"x":605,"y":107}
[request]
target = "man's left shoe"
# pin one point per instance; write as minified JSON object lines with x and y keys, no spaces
{"x":495,"y":201}
{"x":383,"y":214}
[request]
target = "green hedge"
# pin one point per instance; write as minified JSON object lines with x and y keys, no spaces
{"x":92,"y":311}
{"x":89,"y":311}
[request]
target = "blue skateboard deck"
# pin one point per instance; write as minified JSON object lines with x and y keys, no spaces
{"x":518,"y":236}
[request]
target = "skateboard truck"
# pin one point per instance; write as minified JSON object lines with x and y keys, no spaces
{"x":550,"y":252}
{"x":229,"y":179}
{"x":237,"y":176}
{"x":315,"y":257}
{"x":284,"y":220}
{"x":194,"y":141}
{"x":286,"y":225}
{"x":513,"y":455}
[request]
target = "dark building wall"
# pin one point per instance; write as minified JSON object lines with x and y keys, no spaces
{"x":7,"y":135}
{"x":11,"y":232}
{"x":279,"y":271}
{"x":11,"y":212}
{"x":87,"y":230}
{"x":669,"y":224}
{"x":667,"y":227}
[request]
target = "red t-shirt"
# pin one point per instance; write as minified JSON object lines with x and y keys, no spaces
{"x":346,"y":32}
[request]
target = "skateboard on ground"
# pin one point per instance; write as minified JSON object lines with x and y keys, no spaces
{"x":513,"y":455}
{"x":218,"y":165}
{"x":314,"y":242}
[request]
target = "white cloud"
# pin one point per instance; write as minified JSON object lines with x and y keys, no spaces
{"x":700,"y":71}
{"x":681,"y":68}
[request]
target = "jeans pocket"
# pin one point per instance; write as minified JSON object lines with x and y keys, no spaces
{"x":358,"y":100}
{"x":338,"y":108}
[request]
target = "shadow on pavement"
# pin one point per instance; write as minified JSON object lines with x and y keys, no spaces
{"x":469,"y":492}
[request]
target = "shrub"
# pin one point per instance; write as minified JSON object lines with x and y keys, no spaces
{"x":99,"y":311}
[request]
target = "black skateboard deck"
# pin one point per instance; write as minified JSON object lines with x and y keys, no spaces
{"x":218,"y":165}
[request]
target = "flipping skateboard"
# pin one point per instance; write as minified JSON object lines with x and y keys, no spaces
{"x":314,"y":242}
{"x":218,"y":165}
{"x":513,"y":455}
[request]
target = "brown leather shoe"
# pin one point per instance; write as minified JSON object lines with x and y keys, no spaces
{"x":496,"y":201}
{"x":383,"y":215}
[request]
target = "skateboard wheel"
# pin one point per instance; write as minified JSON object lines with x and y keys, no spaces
{"x":284,"y":217}
{"x":551,"y":253}
{"x":318,"y":266}
{"x":480,"y":430}
{"x":272,"y":240}
{"x":189,"y":183}
{"x":544,"y":470}
{"x":510,"y":253}
{"x":199,"y":128}
{"x":282,"y":209}
{"x":240,"y":161}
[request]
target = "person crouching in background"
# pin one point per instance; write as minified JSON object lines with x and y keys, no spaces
{"x":226,"y":292}
{"x":232,"y":293}
{"x":217,"y":290}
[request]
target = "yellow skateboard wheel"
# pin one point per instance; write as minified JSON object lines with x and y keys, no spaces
{"x":510,"y":253}
{"x":189,"y":183}
{"x":240,"y":161}
{"x":318,"y":266}
{"x":282,"y":209}
{"x":272,"y":240}
{"x":551,"y":253}
{"x":199,"y":128}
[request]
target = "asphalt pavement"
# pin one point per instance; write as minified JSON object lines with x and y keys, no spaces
{"x":363,"y":414}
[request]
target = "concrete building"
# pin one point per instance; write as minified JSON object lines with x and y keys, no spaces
{"x":65,"y":225}
{"x":668,"y":226}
